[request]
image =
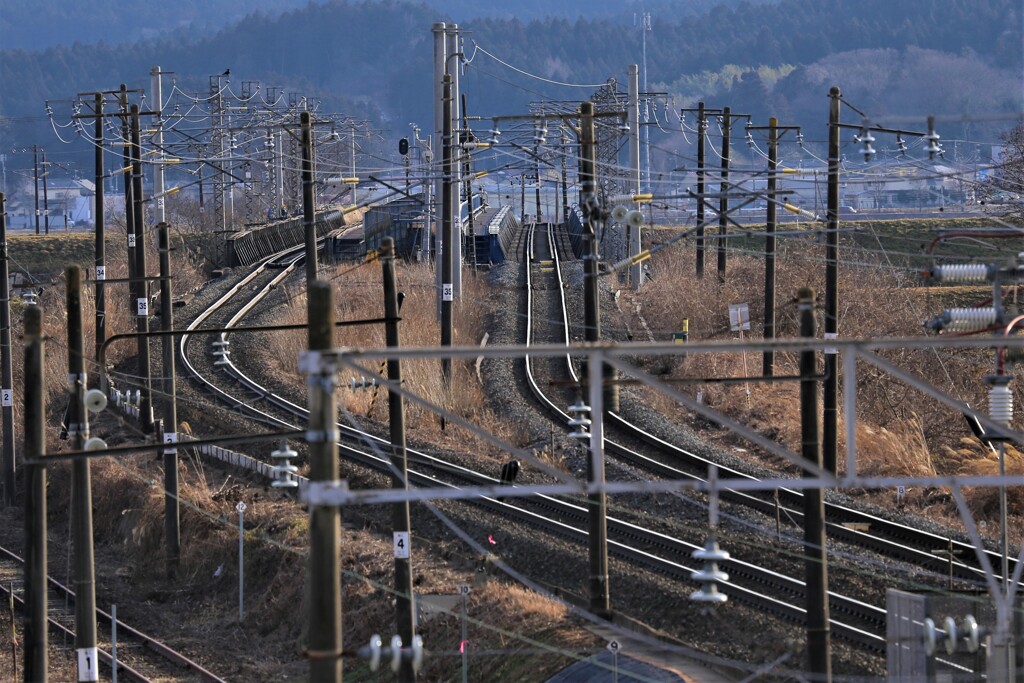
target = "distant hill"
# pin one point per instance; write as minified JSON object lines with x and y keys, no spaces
{"x":40,"y":24}
{"x":373,"y":59}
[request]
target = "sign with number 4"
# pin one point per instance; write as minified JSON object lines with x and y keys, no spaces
{"x":401,"y":544}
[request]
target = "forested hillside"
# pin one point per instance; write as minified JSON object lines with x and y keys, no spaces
{"x":894,"y":57}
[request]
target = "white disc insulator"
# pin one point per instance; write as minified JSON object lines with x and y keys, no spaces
{"x":634,"y":219}
{"x":94,"y":444}
{"x":95,"y":400}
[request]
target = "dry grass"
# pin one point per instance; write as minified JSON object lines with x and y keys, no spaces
{"x":901,"y":432}
{"x":359,"y":296}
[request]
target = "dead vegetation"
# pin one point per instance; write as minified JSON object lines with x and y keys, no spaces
{"x":901,"y":431}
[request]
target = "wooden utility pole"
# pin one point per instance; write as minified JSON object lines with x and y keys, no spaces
{"x":829,"y":425}
{"x":308,"y":198}
{"x":36,"y":625}
{"x":819,"y":644}
{"x":600,"y":601}
{"x":405,"y":609}
{"x":324,"y":576}
{"x":771,"y":219}
{"x":723,"y":200}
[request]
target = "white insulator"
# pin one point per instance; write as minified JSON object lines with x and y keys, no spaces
{"x":969,"y":319}
{"x":961,"y":272}
{"x":1000,"y":404}
{"x":709,"y":593}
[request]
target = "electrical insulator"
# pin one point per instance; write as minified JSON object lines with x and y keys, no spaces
{"x":964,"y":319}
{"x":361,"y":383}
{"x":933,"y":139}
{"x":1000,"y":404}
{"x":868,"y":151}
{"x":710,"y":576}
{"x":580,"y":423}
{"x":284,"y":471}
{"x":963,"y":272}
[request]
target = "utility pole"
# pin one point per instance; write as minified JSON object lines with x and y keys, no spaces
{"x":141,"y":286}
{"x":100,"y":258}
{"x":35,"y":176}
{"x":565,"y":182}
{"x":405,"y":609}
{"x":46,"y":196}
{"x":324,"y":579}
{"x":36,"y":625}
{"x":768,"y":358}
{"x":454,"y":114}
{"x":308,"y":198}
{"x":157,"y":107}
{"x":172,"y":530}
{"x":597,"y":523}
{"x":6,"y":362}
{"x":538,"y":139}
{"x":129,"y":195}
{"x":723,"y":200}
{"x":81,"y":498}
{"x":830,"y":431}
{"x":702,"y":129}
{"x":440,"y":61}
{"x":448,"y":233}
{"x":633,"y":121}
{"x":819,"y":645}
{"x":775,"y":132}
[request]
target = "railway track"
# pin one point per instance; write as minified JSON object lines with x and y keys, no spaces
{"x":140,"y":657}
{"x":667,"y":556}
{"x":652,"y":454}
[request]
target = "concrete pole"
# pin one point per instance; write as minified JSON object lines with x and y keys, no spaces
{"x":449,"y":202}
{"x":324,"y":577}
{"x":141,"y":286}
{"x":6,"y":363}
{"x":81,"y":498}
{"x":172,"y":514}
{"x":156,"y":83}
{"x":99,"y":216}
{"x":452,"y":68}
{"x":36,"y":626}
{"x":440,"y":56}
{"x":633,"y":116}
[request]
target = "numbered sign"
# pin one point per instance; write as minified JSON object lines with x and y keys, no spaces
{"x":447,"y":292}
{"x":401,"y":544}
{"x":170,"y":438}
{"x":240,"y":507}
{"x":465,"y":589}
{"x":6,"y":398}
{"x":88,"y":666}
{"x":131,"y":240}
{"x":142,"y":306}
{"x":101,"y":272}
{"x":614,"y":646}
